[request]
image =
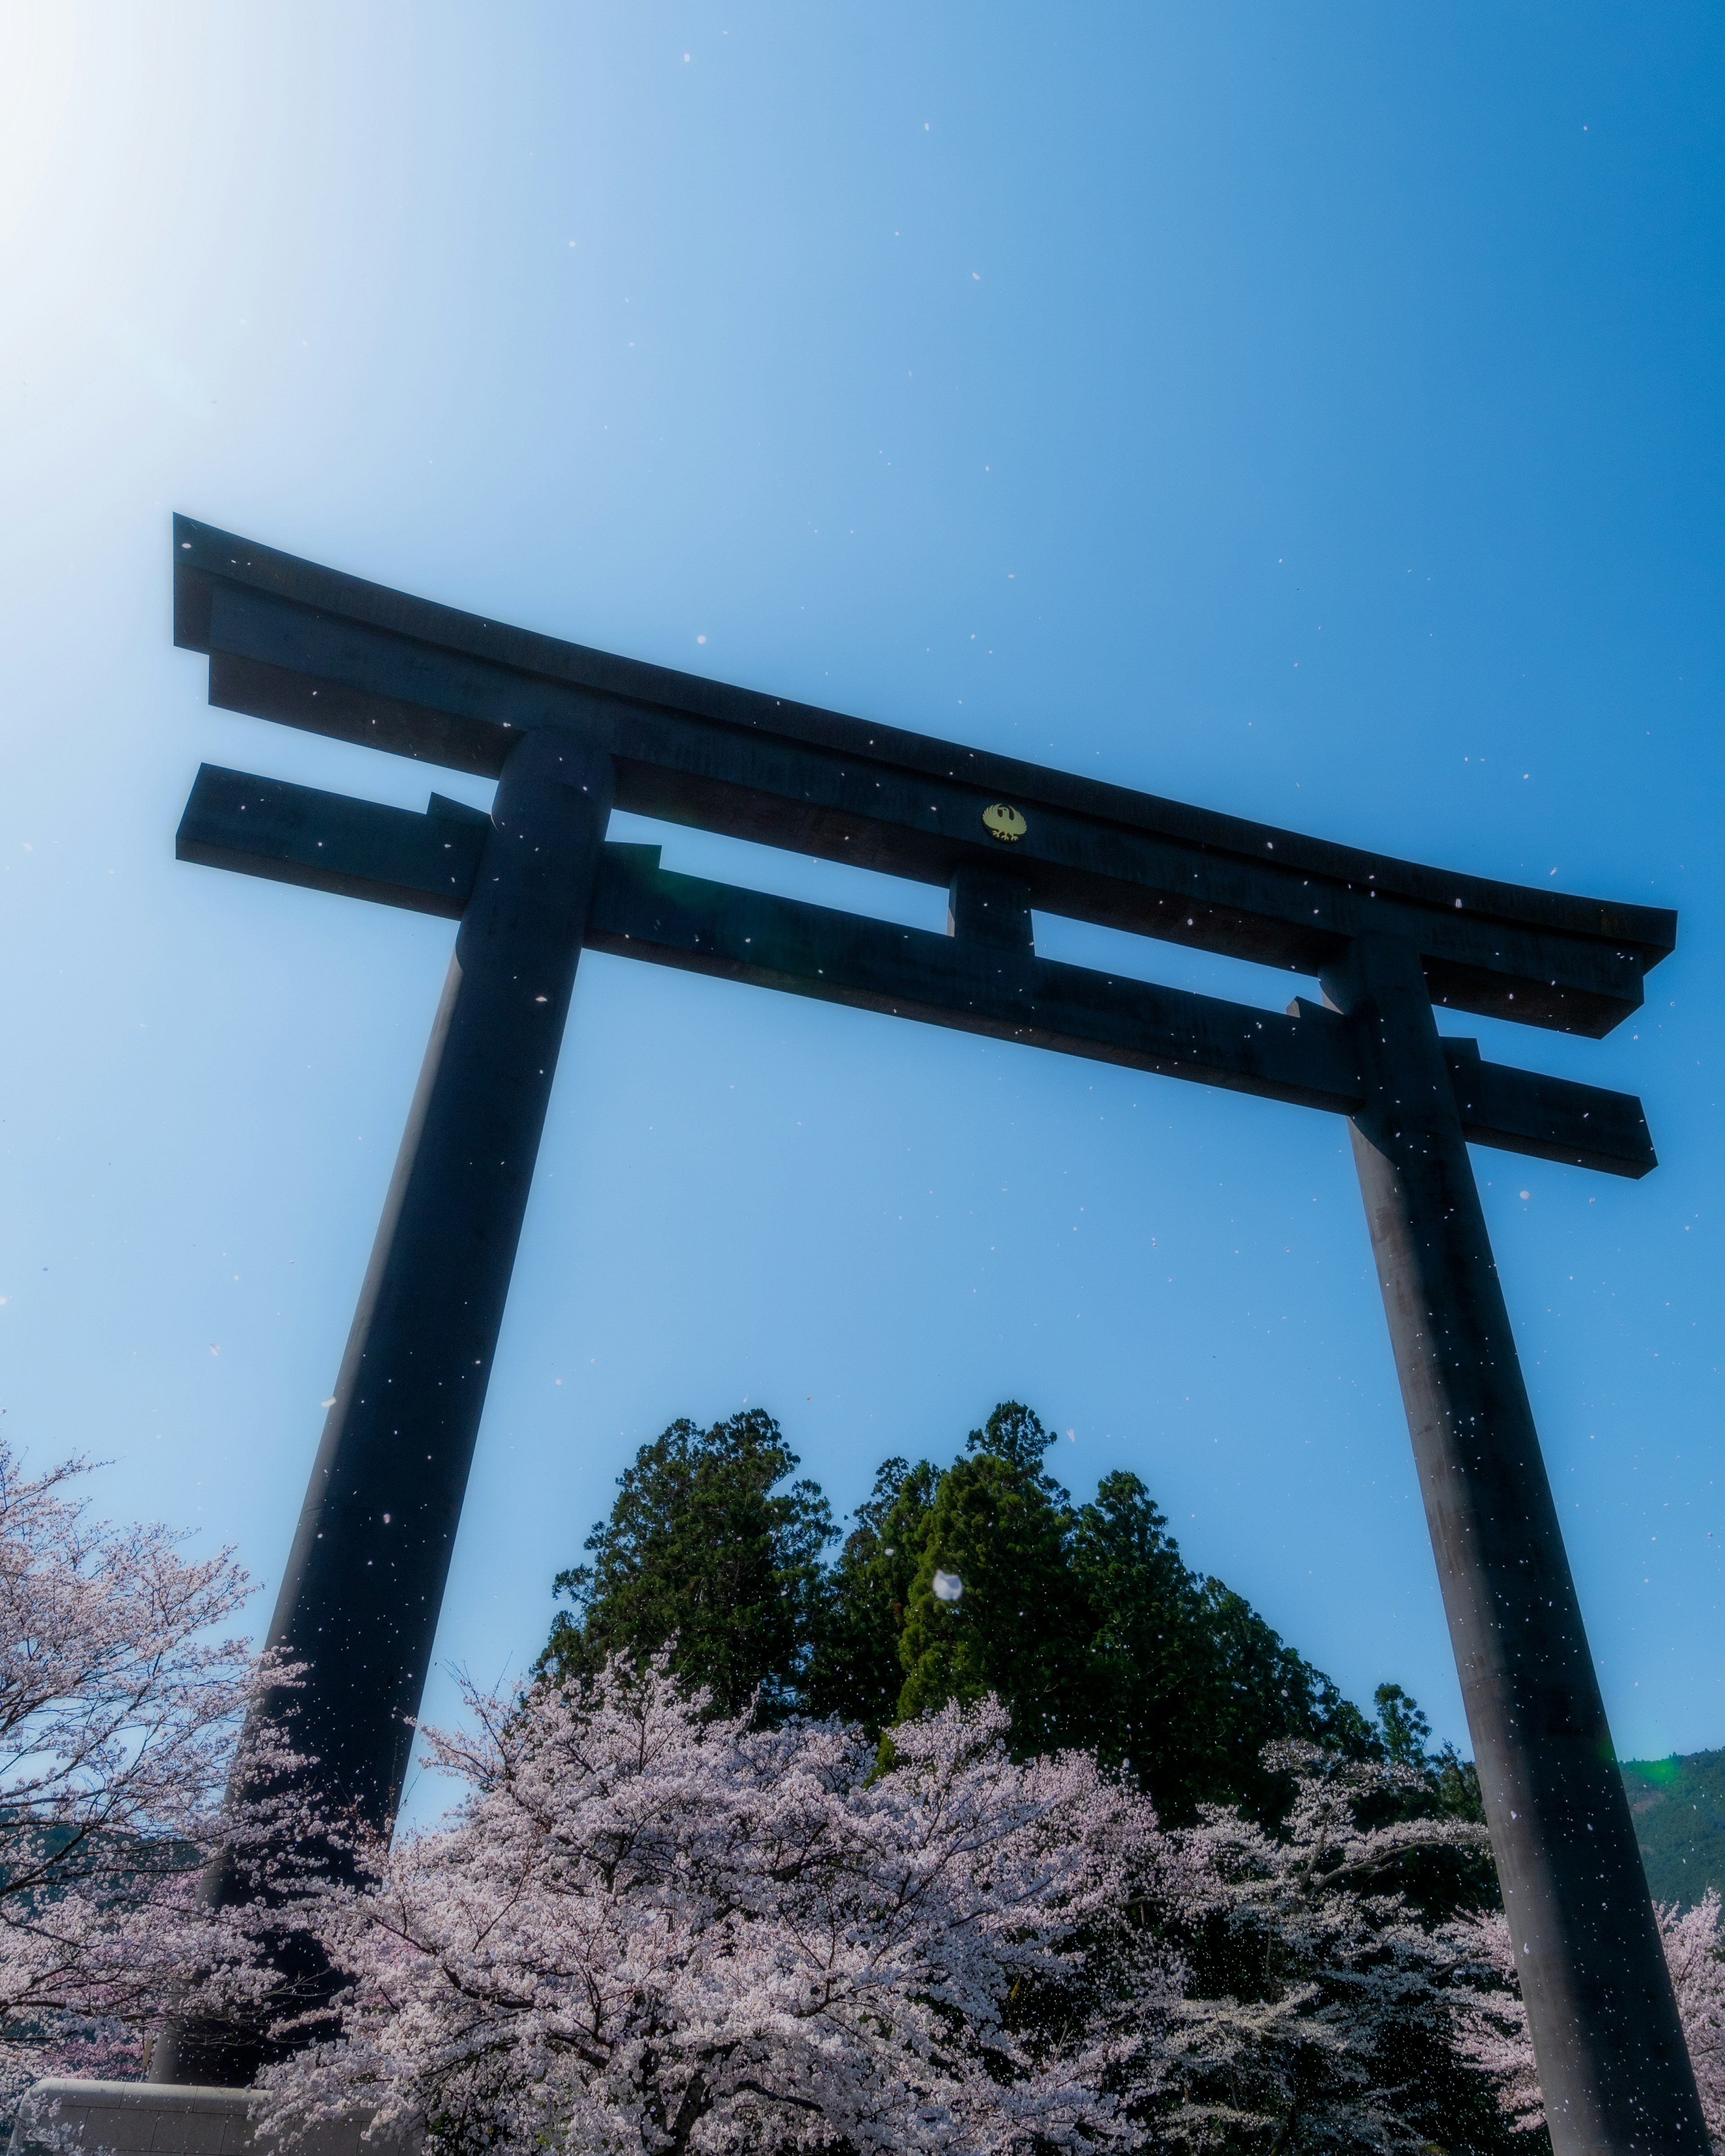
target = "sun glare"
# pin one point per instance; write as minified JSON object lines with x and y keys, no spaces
{"x":39,"y":52}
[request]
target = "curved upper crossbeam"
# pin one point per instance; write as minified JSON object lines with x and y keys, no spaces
{"x":313,"y":648}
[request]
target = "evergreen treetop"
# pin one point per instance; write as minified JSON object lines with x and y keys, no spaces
{"x":704,"y":1546}
{"x":952,"y":1584}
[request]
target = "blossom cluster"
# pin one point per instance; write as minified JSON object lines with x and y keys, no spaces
{"x":121,"y":1723}
{"x":651,"y":1927}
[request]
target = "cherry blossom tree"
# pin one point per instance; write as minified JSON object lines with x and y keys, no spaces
{"x":1492,"y":2022}
{"x":1695,"y":1954}
{"x":1319,"y":2014}
{"x":119,"y":1718}
{"x":649,"y":1926}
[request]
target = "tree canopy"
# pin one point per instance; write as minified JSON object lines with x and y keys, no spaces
{"x":981,"y":1577}
{"x":651,"y":1927}
{"x":703,"y":1546}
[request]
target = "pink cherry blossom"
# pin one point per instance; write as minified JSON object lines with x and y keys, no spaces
{"x":119,"y":1718}
{"x":1336,"y":1973}
{"x":646,"y":1926}
{"x":1493,"y":2022}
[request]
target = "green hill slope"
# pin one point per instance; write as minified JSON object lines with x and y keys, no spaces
{"x":1679,"y":1807}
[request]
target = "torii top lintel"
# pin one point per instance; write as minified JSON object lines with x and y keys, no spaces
{"x":311,"y":647}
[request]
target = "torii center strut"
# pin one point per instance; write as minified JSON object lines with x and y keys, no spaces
{"x":568,"y":732}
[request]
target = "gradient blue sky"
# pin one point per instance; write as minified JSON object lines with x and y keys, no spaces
{"x":1310,"y":412}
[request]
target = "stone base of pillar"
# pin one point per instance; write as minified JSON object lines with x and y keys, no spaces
{"x":144,"y":2118}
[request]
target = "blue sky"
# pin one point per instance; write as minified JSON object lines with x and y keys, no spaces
{"x":1312,"y":412}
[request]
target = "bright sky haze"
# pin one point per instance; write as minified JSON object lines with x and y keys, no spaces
{"x":1310,"y":413}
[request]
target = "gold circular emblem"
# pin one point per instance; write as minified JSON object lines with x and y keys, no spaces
{"x":1004,"y":823}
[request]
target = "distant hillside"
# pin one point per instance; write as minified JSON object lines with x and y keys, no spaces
{"x":1679,"y":1805}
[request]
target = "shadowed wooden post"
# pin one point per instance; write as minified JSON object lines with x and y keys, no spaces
{"x":359,"y":1599}
{"x":1613,"y":2064}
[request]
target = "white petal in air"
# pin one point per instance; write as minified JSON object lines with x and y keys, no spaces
{"x":947,"y":1586}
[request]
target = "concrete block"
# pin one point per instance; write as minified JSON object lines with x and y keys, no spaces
{"x":145,"y":2118}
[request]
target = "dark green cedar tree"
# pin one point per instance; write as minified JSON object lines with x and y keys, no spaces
{"x":705,"y":1549}
{"x":853,"y":1667}
{"x":1186,"y":1682}
{"x":1022,"y":1623}
{"x":1151,"y":1675}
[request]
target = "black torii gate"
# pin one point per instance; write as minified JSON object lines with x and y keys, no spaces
{"x":567,"y":733}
